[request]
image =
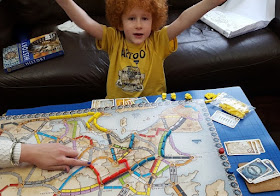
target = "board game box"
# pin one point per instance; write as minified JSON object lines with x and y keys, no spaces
{"x":31,"y":51}
{"x":161,"y":148}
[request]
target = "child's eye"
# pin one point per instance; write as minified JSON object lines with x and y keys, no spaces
{"x":131,"y":18}
{"x":145,"y":18}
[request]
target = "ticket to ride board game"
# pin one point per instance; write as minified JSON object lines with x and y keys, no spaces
{"x":164,"y":148}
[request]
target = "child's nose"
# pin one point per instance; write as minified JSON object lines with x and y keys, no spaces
{"x":138,"y":23}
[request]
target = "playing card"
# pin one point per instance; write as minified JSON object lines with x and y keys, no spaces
{"x":273,"y":174}
{"x":240,"y":147}
{"x":130,"y":101}
{"x":256,"y":149}
{"x":225,"y":119}
{"x":124,"y":101}
{"x":119,"y":102}
{"x":160,"y":100}
{"x":253,"y":170}
{"x":102,"y":103}
{"x":141,"y":100}
{"x":259,"y":145}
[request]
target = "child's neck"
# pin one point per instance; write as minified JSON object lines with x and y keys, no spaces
{"x":132,"y":45}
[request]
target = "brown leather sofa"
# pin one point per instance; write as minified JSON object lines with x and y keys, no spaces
{"x":204,"y":59}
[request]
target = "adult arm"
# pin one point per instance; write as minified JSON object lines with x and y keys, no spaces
{"x":190,"y":16}
{"x":5,"y":153}
{"x":81,"y":18}
{"x":51,"y":156}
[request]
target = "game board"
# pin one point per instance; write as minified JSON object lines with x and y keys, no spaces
{"x":164,"y":148}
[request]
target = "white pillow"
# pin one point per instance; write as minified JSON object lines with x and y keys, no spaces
{"x":237,"y":17}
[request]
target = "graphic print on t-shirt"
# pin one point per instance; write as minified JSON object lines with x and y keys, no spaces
{"x":131,"y":79}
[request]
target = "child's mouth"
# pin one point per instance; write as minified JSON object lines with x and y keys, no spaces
{"x":138,"y":35}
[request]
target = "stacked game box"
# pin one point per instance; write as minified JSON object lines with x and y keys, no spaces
{"x":32,"y":51}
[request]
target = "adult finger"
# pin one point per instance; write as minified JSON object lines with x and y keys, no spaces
{"x":75,"y":162}
{"x":65,"y":168}
{"x":71,"y":153}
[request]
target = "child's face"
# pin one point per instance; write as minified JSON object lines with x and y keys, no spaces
{"x":137,"y":25}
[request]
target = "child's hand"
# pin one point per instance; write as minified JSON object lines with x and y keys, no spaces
{"x":53,"y":156}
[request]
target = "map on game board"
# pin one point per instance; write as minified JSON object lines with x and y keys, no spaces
{"x":164,"y":148}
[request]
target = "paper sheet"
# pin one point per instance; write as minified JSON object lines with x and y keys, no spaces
{"x":237,"y":17}
{"x":70,"y":27}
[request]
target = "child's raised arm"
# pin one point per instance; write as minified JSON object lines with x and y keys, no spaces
{"x":81,"y":18}
{"x":190,"y":16}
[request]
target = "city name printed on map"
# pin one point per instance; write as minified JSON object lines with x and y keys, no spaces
{"x":107,"y":190}
{"x":46,"y":193}
{"x":156,"y":188}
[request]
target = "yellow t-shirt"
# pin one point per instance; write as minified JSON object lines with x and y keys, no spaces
{"x":136,"y":70}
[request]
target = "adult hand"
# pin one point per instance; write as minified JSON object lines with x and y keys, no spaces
{"x":51,"y":156}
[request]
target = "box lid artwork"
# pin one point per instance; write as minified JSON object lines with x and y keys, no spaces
{"x":32,"y":51}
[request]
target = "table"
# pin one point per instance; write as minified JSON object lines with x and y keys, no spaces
{"x":249,"y":128}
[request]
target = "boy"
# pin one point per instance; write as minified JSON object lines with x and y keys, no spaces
{"x":135,"y":45}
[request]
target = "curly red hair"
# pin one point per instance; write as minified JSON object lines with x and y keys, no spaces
{"x":116,"y":8}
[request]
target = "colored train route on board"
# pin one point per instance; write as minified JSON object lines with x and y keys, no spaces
{"x":122,"y":173}
{"x":113,"y":164}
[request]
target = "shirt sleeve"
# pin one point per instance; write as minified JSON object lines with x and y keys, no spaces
{"x":163,"y":45}
{"x":109,"y":36}
{"x":5,"y":156}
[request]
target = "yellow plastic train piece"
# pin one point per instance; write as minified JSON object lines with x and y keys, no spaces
{"x":188,"y":96}
{"x":173,"y":96}
{"x":163,"y":96}
{"x":233,"y":111}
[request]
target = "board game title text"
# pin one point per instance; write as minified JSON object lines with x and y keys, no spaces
{"x":25,"y":52}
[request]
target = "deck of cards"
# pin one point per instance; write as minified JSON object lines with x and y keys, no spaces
{"x":258,"y":171}
{"x":102,"y":103}
{"x":244,"y":147}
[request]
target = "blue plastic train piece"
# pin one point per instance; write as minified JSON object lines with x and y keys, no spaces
{"x":137,"y":174}
{"x":142,"y":162}
{"x":162,"y":152}
{"x":134,"y":167}
{"x":168,"y":133}
{"x":151,"y":158}
{"x":131,"y":141}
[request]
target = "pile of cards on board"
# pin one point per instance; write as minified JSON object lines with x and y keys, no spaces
{"x":102,"y":103}
{"x":244,"y":147}
{"x":258,"y":171}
